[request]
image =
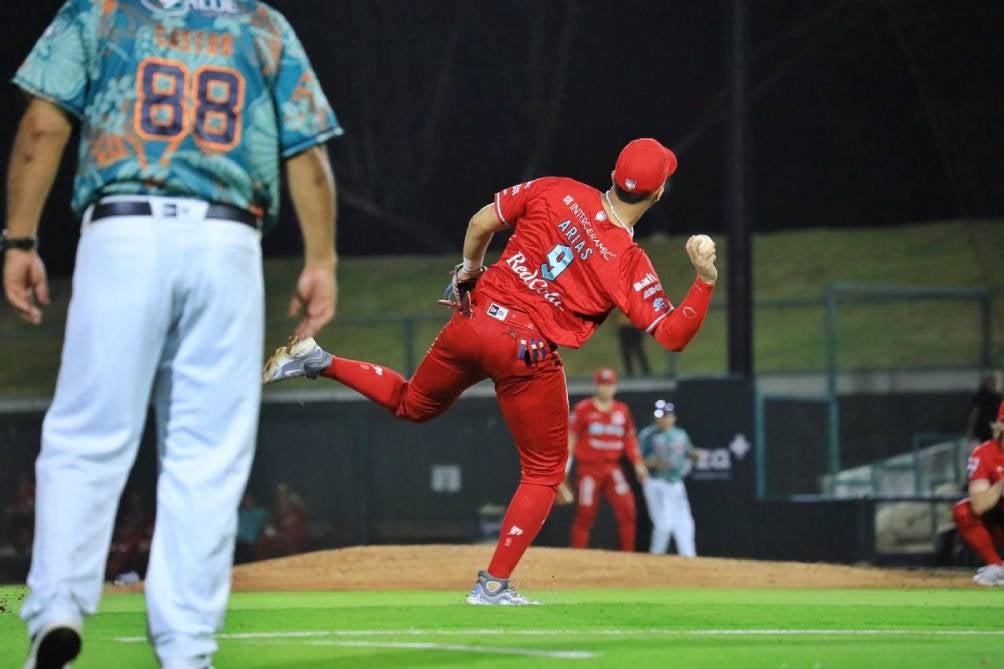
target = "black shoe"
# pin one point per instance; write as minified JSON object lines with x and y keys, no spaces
{"x":53,"y":647}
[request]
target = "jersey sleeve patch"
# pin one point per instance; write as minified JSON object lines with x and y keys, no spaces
{"x":642,"y":297}
{"x":976,"y":469}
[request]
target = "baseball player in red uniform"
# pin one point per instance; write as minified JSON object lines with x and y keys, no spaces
{"x":570,"y":260}
{"x":599,"y":433}
{"x":980,"y":517}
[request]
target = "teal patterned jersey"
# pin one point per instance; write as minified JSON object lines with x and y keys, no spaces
{"x":193,"y":98}
{"x":672,"y":446}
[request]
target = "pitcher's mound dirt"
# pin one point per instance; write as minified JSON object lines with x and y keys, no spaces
{"x":455,"y":567}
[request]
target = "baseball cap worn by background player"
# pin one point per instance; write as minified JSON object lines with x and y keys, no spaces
{"x":663,"y":408}
{"x":604,"y":375}
{"x":643,"y":166}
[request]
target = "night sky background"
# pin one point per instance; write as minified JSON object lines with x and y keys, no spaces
{"x":863,"y":113}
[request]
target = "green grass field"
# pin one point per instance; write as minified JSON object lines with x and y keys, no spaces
{"x":776,"y":629}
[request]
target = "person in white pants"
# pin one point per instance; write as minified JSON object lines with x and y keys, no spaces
{"x":669,"y":454}
{"x":181,"y":141}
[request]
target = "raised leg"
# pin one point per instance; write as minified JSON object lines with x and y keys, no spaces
{"x":444,"y":373}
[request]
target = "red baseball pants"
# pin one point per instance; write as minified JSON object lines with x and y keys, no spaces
{"x":984,"y":534}
{"x":609,"y":480}
{"x":530,"y":386}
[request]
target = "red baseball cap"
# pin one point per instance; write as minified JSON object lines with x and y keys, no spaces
{"x":605,"y":375}
{"x":643,"y":166}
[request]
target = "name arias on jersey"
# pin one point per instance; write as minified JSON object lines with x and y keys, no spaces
{"x":182,"y":7}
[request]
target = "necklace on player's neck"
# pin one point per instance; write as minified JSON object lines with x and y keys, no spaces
{"x":617,"y":218}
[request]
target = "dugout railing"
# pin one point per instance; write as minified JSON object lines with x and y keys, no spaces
{"x":864,"y":408}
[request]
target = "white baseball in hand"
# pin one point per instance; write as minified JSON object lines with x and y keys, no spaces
{"x":701,"y":250}
{"x":705,"y":245}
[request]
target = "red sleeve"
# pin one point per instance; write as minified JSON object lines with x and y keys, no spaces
{"x":641,"y":296}
{"x":510,"y":203}
{"x":631,"y":439}
{"x":980,"y":468}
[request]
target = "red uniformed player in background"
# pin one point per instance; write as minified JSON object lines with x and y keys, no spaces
{"x":600,"y":432}
{"x":980,"y":517}
{"x":570,"y":261}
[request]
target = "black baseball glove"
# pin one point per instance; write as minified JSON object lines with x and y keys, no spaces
{"x":457,"y":294}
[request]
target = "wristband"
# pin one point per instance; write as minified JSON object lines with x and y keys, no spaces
{"x":470,"y":267}
{"x":21,"y":243}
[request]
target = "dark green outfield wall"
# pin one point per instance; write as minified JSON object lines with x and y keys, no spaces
{"x":368,"y":478}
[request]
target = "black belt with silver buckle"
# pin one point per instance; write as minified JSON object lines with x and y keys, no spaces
{"x":223,"y":212}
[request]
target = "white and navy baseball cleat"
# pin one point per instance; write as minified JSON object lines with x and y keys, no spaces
{"x":54,"y":647}
{"x":300,"y":357}
{"x":491,"y":591}
{"x":991,"y":575}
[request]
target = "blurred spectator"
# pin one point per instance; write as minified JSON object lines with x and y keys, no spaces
{"x":130,"y":548}
{"x":289,"y":531}
{"x":632,"y":348}
{"x":252,"y":518}
{"x":19,"y":519}
{"x":983,"y":409}
{"x":24,"y":495}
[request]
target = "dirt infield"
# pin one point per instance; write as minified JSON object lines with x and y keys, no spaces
{"x":454,"y":567}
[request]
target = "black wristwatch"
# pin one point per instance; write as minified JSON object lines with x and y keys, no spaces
{"x":21,"y":243}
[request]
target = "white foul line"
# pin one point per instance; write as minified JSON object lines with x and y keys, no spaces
{"x":314,"y":634}
{"x":454,"y":647}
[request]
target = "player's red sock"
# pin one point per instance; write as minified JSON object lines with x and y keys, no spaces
{"x":626,"y":530}
{"x":582,"y":526}
{"x":975,"y":533}
{"x":626,"y":515}
{"x":380,"y":384}
{"x":526,"y":515}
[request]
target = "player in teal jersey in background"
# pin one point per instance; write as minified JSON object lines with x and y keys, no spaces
{"x":186,"y":109}
{"x":669,"y":454}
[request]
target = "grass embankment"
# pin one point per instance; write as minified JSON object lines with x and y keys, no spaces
{"x":378,"y":294}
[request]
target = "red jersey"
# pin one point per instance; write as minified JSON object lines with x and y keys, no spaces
{"x":568,"y":267}
{"x":987,"y":462}
{"x":602,"y":436}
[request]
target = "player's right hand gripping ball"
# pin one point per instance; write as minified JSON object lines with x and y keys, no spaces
{"x":705,"y":245}
{"x":457,"y":295}
{"x":702,"y":252}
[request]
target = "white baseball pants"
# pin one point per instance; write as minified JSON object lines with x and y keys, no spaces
{"x":169,"y":305}
{"x":669,"y":509}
